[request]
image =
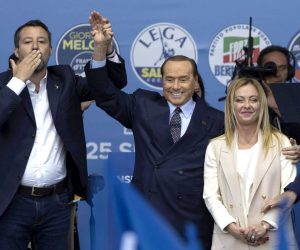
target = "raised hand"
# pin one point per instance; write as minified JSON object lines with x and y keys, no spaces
{"x":97,"y":23}
{"x":24,"y":69}
{"x":102,"y":34}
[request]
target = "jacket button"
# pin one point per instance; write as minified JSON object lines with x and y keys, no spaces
{"x":179,"y":197}
{"x":230,"y":205}
{"x":180,"y":172}
{"x":264,"y":197}
{"x":33,"y":135}
{"x":156,"y":166}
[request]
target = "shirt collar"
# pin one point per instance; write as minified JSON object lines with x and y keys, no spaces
{"x":187,"y":108}
{"x":31,"y":85}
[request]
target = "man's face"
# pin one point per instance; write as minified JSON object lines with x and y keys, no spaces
{"x":34,"y":38}
{"x":178,"y":82}
{"x":282,"y":67}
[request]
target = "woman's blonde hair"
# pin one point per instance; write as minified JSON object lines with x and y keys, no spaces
{"x":231,"y":121}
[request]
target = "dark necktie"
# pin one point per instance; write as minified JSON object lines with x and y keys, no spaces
{"x":175,"y":125}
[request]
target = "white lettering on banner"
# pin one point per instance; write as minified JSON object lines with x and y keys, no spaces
{"x":127,"y":131}
{"x":100,"y":150}
{"x":126,"y":147}
{"x":125,"y":178}
{"x":129,"y":241}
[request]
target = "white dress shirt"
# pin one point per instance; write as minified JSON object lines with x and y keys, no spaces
{"x":246,"y":162}
{"x":46,"y":164}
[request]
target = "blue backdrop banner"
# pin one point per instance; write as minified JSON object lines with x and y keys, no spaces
{"x":146,"y":32}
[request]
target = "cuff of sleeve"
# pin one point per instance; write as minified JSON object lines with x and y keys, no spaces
{"x":113,"y":57}
{"x":225,"y":224}
{"x":16,"y":85}
{"x":97,"y":64}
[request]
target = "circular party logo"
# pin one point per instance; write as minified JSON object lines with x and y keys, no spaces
{"x":228,"y":47}
{"x":154,"y":45}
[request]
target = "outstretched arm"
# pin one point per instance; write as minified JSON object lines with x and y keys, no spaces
{"x":289,"y":197}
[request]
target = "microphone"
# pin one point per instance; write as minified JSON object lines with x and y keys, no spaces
{"x":270,"y":68}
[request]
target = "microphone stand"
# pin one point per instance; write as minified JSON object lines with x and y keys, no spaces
{"x":248,"y":51}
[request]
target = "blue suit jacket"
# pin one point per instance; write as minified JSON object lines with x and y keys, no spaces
{"x":295,"y":186}
{"x":17,"y":127}
{"x":169,"y":175}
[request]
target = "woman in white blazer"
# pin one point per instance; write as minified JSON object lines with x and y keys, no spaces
{"x":243,"y":169}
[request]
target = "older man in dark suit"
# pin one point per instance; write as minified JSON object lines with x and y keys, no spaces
{"x":42,"y":143}
{"x":171,"y":133}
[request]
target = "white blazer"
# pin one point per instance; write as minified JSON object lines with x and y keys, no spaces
{"x":223,"y":195}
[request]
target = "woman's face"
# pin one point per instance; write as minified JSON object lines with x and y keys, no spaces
{"x":246,"y":105}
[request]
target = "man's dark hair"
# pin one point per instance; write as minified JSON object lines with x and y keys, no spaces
{"x":290,"y":60}
{"x":31,"y":23}
{"x":178,"y":58}
{"x":13,"y":57}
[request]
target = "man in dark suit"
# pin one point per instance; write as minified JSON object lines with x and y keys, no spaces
{"x":168,"y":166}
{"x":285,"y":63}
{"x":42,"y":143}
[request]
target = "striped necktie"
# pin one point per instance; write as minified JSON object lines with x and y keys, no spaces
{"x":175,"y":125}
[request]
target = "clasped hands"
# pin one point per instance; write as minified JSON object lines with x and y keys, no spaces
{"x":102,"y":34}
{"x":254,"y":235}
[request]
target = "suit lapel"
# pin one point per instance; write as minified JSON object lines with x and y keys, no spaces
{"x":25,"y":96}
{"x":262,"y":166}
{"x":26,"y":100}
{"x":198,"y":126}
{"x":159,"y":119}
{"x":197,"y":129}
{"x":228,"y":163}
{"x":54,"y":88}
